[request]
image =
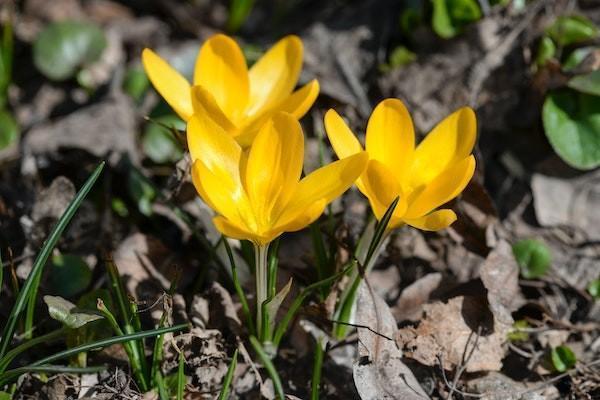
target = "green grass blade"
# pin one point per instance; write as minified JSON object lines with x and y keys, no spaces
{"x":1,"y":273}
{"x":228,"y":377}
{"x":26,"y":292}
{"x":316,"y":375}
{"x":289,"y":315}
{"x":100,"y":344}
{"x":380,"y":231}
{"x":12,"y":354}
{"x":52,"y":369}
{"x":180,"y":377}
{"x":264,"y":358}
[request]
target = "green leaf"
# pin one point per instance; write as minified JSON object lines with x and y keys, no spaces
{"x":546,"y":51}
{"x":141,"y":191}
{"x":568,"y":30}
{"x":450,"y":16}
{"x":64,"y":311}
{"x":576,"y":57}
{"x":9,"y":131}
{"x":572,"y":125}
{"x":68,"y":275}
{"x":64,"y":47}
{"x":401,"y":56}
{"x":136,"y":83}
{"x":594,"y":289}
{"x":5,"y":396}
{"x":158,"y":141}
{"x":238,"y":12}
{"x":588,"y":83}
{"x":272,"y":305}
{"x":517,"y":334}
{"x":562,"y":358}
{"x":29,"y":288}
{"x":533,"y":258}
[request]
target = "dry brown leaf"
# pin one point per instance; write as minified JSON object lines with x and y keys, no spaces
{"x":409,"y":305}
{"x":380,"y":373}
{"x":449,"y":332}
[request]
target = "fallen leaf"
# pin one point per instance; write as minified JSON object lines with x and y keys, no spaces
{"x":448,"y":332}
{"x":62,"y":311}
{"x":410,"y":303}
{"x":380,"y":374}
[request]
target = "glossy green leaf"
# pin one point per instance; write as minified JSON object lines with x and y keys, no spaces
{"x":9,"y":130}
{"x":588,"y":83}
{"x":594,"y":289}
{"x":64,"y":311}
{"x":64,"y":47}
{"x":158,"y":141}
{"x":546,"y":51}
{"x":533,"y":257}
{"x":568,"y":30}
{"x":576,"y":57}
{"x":572,"y":125}
{"x":450,"y":16}
{"x":562,"y":358}
{"x":68,"y":275}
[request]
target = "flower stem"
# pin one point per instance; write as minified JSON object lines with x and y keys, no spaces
{"x":262,"y":285}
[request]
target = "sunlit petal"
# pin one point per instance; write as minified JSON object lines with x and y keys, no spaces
{"x":390,"y":136}
{"x":203,"y":102}
{"x":449,"y":142}
{"x":210,"y":143}
{"x":303,"y":218}
{"x":442,"y":189}
{"x":171,"y":85}
{"x":326,"y":183}
{"x":342,"y":139}
{"x":274,"y":164}
{"x":382,"y":188}
{"x":434,"y":221}
{"x":300,"y":101}
{"x":275,"y":74}
{"x":234,"y":231}
{"x":221,"y":69}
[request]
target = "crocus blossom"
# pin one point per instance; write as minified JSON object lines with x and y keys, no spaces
{"x":238,"y":99}
{"x":257,"y":192}
{"x":424,"y":177}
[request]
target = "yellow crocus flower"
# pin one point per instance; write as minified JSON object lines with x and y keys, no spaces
{"x":239,"y":99}
{"x":257,"y":192}
{"x":424,"y":177}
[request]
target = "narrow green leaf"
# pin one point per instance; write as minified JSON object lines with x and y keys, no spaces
{"x":41,"y":259}
{"x":594,"y":289}
{"x":268,"y":364}
{"x":180,"y":377}
{"x":228,"y":377}
{"x":9,"y":130}
{"x":315,"y":383}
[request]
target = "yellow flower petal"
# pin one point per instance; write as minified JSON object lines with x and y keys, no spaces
{"x":342,"y":139}
{"x":382,"y":188}
{"x":434,"y":221}
{"x":275,"y":74}
{"x":390,"y":136}
{"x":326,"y":183}
{"x":208,"y":142}
{"x":222,"y":193}
{"x":234,"y":231}
{"x":449,"y":142}
{"x":303,"y":218}
{"x":221,"y":69}
{"x":296,"y":104}
{"x":300,"y":101}
{"x":203,"y":102}
{"x":274,"y":165}
{"x":171,"y":85}
{"x":442,"y":189}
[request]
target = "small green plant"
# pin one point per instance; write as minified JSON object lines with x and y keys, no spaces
{"x":562,"y":358}
{"x":593,"y":289}
{"x":533,"y":257}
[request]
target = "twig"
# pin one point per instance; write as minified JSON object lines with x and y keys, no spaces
{"x":465,"y":361}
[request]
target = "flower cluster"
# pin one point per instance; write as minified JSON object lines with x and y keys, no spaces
{"x":247,"y":146}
